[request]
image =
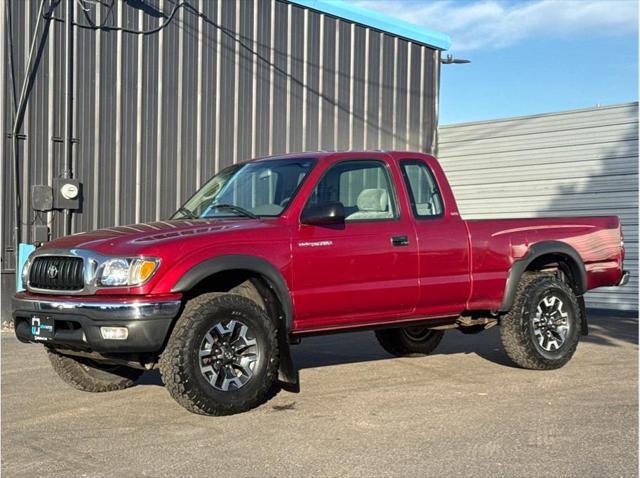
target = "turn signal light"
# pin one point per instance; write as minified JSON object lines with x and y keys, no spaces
{"x":114,"y":333}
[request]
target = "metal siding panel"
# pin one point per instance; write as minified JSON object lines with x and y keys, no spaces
{"x":580,"y":162}
{"x":313,"y":80}
{"x":190,"y":70}
{"x":357,"y":111}
{"x":373,"y":89}
{"x":209,"y":93}
{"x":279,"y":119}
{"x":244,"y":89}
{"x":85,"y":124}
{"x":414,"y":99}
{"x":430,"y":101}
{"x":129,"y":120}
{"x":227,"y":87}
{"x":150,"y":154}
{"x":386,"y":84}
{"x":343,"y":78}
{"x":297,"y":80}
{"x":169,"y":123}
{"x":106,"y":200}
{"x":264,"y":50}
{"x":329,"y":61}
{"x":400,"y":95}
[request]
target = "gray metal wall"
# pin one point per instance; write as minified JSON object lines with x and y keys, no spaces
{"x":582,"y":162}
{"x":156,"y":115}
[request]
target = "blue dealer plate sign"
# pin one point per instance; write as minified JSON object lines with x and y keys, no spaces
{"x":42,"y":328}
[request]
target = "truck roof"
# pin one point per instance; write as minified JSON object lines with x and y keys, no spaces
{"x":323,"y":155}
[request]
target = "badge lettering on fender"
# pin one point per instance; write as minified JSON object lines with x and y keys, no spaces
{"x":315,"y":244}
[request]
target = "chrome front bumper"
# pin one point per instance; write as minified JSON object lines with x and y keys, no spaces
{"x":78,"y":322}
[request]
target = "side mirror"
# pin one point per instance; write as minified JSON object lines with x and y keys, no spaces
{"x":323,"y":214}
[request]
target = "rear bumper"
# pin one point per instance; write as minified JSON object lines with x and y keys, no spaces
{"x":625,"y":278}
{"x":78,"y":322}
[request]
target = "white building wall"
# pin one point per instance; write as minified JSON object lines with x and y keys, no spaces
{"x":580,"y":162}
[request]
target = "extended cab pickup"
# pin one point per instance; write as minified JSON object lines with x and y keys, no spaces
{"x":273,"y":249}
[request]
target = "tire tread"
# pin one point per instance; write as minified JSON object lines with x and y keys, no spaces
{"x":514,"y":332}
{"x":74,"y":373}
{"x":173,"y":365}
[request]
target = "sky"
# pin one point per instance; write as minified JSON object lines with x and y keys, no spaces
{"x":529,"y":56}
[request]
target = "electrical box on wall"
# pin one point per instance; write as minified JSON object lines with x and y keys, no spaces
{"x":67,"y":193}
{"x":41,"y":197}
{"x":40,"y":233}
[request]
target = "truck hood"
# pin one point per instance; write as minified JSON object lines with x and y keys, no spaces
{"x":178,"y":235}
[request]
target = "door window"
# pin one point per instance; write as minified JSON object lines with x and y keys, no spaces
{"x":424,"y":195}
{"x":363,"y":187}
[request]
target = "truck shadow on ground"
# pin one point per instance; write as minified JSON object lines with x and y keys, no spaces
{"x":362,"y":347}
{"x":347,"y":348}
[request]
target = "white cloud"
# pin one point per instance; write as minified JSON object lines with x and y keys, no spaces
{"x":498,"y":23}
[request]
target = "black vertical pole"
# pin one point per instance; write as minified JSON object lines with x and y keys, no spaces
{"x":21,"y":107}
{"x":68,"y":115}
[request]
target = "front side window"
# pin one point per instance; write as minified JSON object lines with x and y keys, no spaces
{"x":260,"y":188}
{"x":423,"y":189}
{"x":363,"y":187}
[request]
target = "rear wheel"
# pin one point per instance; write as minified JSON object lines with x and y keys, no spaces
{"x":409,"y":341}
{"x":90,"y":376}
{"x":542,"y":329}
{"x":222,"y":357}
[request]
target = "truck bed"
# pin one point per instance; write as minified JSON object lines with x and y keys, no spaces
{"x":496,"y":244}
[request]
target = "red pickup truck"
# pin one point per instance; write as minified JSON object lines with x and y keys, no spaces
{"x":274,"y":249}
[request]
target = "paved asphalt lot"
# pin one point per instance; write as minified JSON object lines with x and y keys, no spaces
{"x":463,"y":411}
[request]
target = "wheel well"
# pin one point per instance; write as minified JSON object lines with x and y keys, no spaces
{"x":564,"y":266}
{"x":263,"y":288}
{"x":246,"y":283}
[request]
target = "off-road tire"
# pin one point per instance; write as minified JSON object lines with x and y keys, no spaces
{"x":402,"y":343}
{"x":90,"y":376}
{"x":180,"y":367}
{"x":516,"y":326}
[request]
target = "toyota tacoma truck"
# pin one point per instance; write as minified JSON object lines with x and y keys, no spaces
{"x":274,"y":249}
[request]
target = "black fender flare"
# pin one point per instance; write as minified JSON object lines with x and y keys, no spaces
{"x":228,"y":262}
{"x":535,"y":251}
{"x":288,"y":371}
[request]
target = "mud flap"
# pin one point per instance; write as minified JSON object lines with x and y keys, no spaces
{"x":287,"y":373}
{"x":584,"y":326}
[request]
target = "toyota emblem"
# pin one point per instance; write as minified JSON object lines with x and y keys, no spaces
{"x":52,"y":271}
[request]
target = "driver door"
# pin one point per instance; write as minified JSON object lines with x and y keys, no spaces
{"x":364,"y":270}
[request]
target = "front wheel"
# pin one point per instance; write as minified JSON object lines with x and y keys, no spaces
{"x":542,"y":329}
{"x":222,"y":356}
{"x":409,"y":341}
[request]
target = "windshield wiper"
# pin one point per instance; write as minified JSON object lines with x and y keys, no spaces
{"x":240,"y":210}
{"x":186,"y":213}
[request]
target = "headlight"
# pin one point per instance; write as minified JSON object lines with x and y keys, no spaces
{"x":122,"y":271}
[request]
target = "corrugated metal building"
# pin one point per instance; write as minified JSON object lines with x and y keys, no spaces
{"x":211,"y":83}
{"x":582,"y":162}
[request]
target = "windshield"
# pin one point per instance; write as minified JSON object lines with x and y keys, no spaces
{"x":260,"y":188}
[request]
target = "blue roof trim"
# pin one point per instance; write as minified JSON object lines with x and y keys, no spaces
{"x":339,"y":8}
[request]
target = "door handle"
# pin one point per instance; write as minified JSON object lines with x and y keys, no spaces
{"x":399,"y":241}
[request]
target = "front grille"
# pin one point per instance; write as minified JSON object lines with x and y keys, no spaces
{"x":57,"y":273}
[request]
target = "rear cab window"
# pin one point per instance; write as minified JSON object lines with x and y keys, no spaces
{"x":424,"y":194}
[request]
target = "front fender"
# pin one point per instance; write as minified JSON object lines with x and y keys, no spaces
{"x":255,"y":264}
